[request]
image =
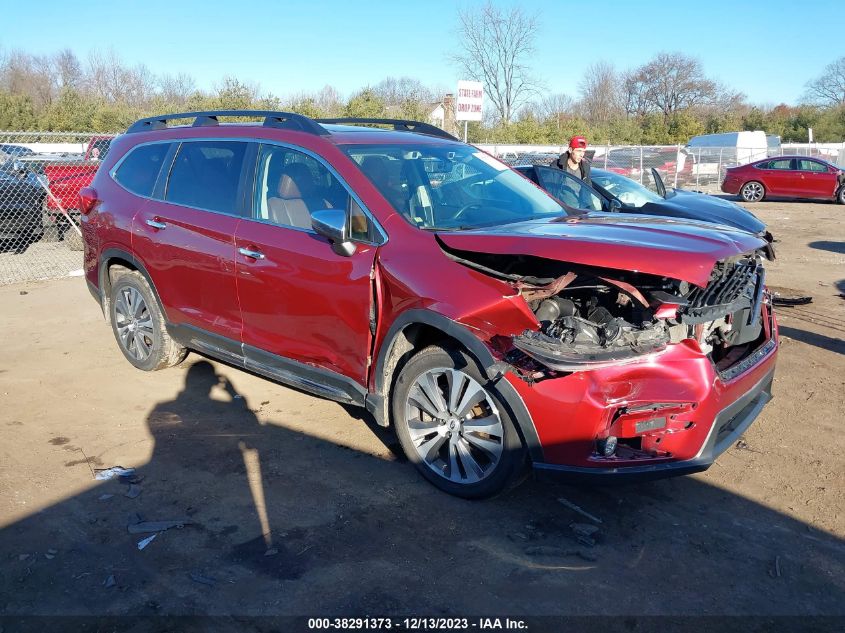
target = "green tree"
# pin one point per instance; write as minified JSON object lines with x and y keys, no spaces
{"x":70,"y":112}
{"x":365,"y":104}
{"x":17,"y":112}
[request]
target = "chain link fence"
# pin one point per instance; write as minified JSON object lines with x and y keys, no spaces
{"x":699,"y":168}
{"x":41,"y":174}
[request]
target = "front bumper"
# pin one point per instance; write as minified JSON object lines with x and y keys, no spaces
{"x":709,"y":412}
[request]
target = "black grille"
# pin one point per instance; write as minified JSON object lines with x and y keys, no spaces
{"x":727,"y":285}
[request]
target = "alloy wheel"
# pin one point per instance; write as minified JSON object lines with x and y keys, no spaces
{"x":134,"y":323}
{"x":752,"y":192}
{"x":454,"y":425}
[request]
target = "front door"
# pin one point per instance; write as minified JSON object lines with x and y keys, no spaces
{"x":299,"y":299}
{"x":816,"y":180}
{"x":186,"y":240}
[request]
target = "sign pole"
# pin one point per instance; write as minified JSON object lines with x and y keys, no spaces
{"x":465,"y":130}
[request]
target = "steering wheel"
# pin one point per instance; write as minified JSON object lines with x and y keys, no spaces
{"x":466,"y":209}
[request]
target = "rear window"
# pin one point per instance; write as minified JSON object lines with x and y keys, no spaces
{"x":139,"y":170}
{"x":206,"y":175}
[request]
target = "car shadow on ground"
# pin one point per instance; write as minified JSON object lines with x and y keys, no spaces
{"x":827,"y":245}
{"x":276,"y":521}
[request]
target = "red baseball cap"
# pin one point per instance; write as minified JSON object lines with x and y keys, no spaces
{"x":578,"y":141}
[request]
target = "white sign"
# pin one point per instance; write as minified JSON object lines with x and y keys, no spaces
{"x":468,"y":106}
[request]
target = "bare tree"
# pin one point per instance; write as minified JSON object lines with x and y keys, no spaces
{"x":176,"y":89}
{"x":497,"y":44}
{"x":396,"y":91}
{"x":601,"y":97}
{"x":668,"y":83}
{"x":68,"y":69}
{"x":829,"y":87}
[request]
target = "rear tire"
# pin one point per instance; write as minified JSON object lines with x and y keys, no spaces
{"x":138,"y":325}
{"x":752,"y":191}
{"x":454,"y":426}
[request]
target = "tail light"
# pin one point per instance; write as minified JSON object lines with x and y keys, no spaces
{"x":87,"y":199}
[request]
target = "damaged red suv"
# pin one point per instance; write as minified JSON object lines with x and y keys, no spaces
{"x":409,"y":273}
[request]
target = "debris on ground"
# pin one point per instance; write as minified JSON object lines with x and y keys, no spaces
{"x":577,"y":509}
{"x":583,"y":529}
{"x":143,"y":527}
{"x":271,"y":552}
{"x":205,"y":580}
{"x":23,"y":292}
{"x":133,"y":491}
{"x":775,"y":573}
{"x":791,"y":301}
{"x":109,"y":582}
{"x":23,"y":556}
{"x":105,"y":497}
{"x":104,"y":474}
{"x":144,"y":542}
{"x":559,"y":552}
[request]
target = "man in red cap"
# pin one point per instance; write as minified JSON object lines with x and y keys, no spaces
{"x":573,"y":161}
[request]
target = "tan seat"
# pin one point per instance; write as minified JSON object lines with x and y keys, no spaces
{"x":297,"y":198}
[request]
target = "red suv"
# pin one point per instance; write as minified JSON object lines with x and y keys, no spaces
{"x":409,"y":273}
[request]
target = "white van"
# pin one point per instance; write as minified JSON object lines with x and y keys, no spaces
{"x":733,"y":148}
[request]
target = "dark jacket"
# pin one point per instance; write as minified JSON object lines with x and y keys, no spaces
{"x":560,"y":163}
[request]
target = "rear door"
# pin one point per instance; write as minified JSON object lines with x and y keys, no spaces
{"x":299,"y":299}
{"x":816,"y":180}
{"x":185,"y":238}
{"x":779,"y":177}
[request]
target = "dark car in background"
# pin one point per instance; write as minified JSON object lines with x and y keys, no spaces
{"x":786,"y":177}
{"x":21,"y":199}
{"x":613,"y":192}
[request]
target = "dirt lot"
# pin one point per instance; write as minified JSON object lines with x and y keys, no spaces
{"x":352,"y":530}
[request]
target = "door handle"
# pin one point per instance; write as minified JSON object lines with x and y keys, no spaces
{"x":251,"y":254}
{"x":156,"y":225}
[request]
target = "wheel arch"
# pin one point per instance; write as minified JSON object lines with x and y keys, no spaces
{"x":416,"y":329}
{"x":111,"y":258}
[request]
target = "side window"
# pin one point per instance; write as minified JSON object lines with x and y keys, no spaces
{"x":571,"y":191}
{"x":782,"y":163}
{"x":206,"y":174}
{"x":291,"y":185}
{"x":811,"y":165}
{"x":139,"y":170}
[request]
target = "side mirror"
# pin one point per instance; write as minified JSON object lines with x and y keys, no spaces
{"x":19,"y":167}
{"x":615,"y":206}
{"x":331,"y":224}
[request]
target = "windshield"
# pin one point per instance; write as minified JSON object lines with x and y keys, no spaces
{"x":629,"y":192}
{"x":451,"y":187}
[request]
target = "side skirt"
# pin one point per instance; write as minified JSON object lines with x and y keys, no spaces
{"x":315,"y":380}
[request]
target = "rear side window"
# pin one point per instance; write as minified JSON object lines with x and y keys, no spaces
{"x":139,"y":170}
{"x":781,"y":163}
{"x":206,"y":175}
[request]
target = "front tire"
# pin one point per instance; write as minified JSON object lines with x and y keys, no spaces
{"x":752,"y":191}
{"x":453,"y":425}
{"x":840,"y":195}
{"x":138,"y":325}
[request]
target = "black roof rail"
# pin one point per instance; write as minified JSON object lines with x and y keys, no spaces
{"x":285,"y":120}
{"x":400,"y":125}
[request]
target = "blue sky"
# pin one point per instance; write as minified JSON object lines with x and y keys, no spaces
{"x":766,"y":49}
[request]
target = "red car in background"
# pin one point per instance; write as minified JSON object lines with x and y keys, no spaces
{"x":788,"y":177}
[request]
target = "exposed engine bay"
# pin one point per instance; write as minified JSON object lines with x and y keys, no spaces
{"x":591,"y":318}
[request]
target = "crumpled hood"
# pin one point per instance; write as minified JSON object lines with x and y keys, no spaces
{"x":700,"y":206}
{"x":684,"y":250}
